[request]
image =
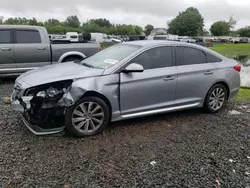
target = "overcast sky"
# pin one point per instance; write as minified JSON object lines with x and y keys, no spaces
{"x":140,"y":12}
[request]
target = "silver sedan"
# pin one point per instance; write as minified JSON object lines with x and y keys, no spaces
{"x":127,"y":80}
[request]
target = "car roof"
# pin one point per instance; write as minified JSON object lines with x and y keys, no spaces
{"x":146,"y":43}
{"x":151,"y":43}
{"x":19,"y":26}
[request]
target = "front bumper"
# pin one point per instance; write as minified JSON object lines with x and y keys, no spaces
{"x":35,"y":129}
{"x":18,"y":107}
{"x":40,"y":131}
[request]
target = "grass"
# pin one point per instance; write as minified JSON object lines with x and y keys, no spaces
{"x":104,"y":45}
{"x":231,"y":50}
{"x":243,"y":95}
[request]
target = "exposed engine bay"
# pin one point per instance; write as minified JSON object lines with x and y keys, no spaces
{"x":44,"y":107}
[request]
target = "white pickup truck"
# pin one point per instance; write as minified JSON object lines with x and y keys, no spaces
{"x":24,"y":48}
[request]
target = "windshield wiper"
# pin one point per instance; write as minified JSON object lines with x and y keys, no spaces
{"x":88,"y":65}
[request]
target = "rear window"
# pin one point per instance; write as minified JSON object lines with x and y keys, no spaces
{"x":110,"y":56}
{"x":5,"y":36}
{"x":190,"y":56}
{"x":28,"y":36}
{"x":212,"y":58}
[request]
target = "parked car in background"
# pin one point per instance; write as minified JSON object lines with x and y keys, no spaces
{"x":166,"y":37}
{"x":72,"y":36}
{"x":99,"y":37}
{"x":124,"y":81}
{"x":24,"y":48}
{"x":235,"y":40}
{"x":244,"y":40}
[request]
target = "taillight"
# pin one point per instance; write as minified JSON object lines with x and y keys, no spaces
{"x":237,"y":67}
{"x":99,"y":49}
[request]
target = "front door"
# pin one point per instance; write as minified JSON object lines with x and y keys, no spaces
{"x":7,"y":61}
{"x":152,"y":89}
{"x":30,"y":49}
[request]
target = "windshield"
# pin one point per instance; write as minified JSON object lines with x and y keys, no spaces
{"x":110,"y":56}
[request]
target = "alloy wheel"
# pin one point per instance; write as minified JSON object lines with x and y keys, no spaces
{"x":217,"y":98}
{"x":87,"y":117}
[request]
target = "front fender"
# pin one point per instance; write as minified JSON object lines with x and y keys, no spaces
{"x":107,"y":85}
{"x":71,"y":53}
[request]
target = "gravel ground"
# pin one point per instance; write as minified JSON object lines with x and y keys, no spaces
{"x":183,"y":149}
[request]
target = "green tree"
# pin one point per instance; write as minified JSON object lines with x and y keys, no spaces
{"x":148,"y":29}
{"x":1,"y":19}
{"x":17,"y":21}
{"x":232,"y":22}
{"x":52,"y":22}
{"x":220,"y":28}
{"x":187,"y":23}
{"x":137,"y":29}
{"x":244,"y":32}
{"x":92,"y":27}
{"x":102,"y":22}
{"x":72,"y":21}
{"x":32,"y":21}
{"x":205,"y":32}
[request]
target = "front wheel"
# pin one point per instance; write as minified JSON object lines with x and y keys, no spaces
{"x":88,"y":117}
{"x":216,"y":98}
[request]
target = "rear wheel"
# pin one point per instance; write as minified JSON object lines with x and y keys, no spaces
{"x":88,"y":117}
{"x":216,"y":98}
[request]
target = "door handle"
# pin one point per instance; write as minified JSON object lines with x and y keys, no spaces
{"x":208,"y":72}
{"x":6,"y":49}
{"x":41,"y":48}
{"x":168,"y":78}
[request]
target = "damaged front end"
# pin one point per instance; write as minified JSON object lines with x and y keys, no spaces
{"x":43,"y":106}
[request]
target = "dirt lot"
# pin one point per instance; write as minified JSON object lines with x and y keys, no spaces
{"x":183,"y":149}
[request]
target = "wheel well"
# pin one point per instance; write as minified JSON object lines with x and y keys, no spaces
{"x":225,"y":85}
{"x":96,"y":94}
{"x":72,"y":57}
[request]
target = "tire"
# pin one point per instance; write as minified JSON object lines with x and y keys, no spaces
{"x":217,"y":95}
{"x":74,"y":121}
{"x":71,"y":58}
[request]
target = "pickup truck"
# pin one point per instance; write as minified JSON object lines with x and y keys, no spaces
{"x":23,"y":48}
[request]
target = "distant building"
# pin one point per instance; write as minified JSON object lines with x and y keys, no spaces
{"x":159,"y":31}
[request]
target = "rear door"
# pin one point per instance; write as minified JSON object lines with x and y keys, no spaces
{"x":197,"y":72}
{"x":30,"y":51}
{"x":7,"y":60}
{"x":152,"y":89}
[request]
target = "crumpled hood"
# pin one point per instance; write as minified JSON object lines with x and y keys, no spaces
{"x":57,"y":72}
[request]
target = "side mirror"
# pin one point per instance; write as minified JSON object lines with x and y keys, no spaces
{"x":133,"y":67}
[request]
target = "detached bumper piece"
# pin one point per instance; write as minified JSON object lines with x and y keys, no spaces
{"x":40,"y":131}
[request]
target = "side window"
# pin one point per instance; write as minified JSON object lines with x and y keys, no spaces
{"x":155,"y":58}
{"x":212,"y":58}
{"x":5,"y":36}
{"x":28,"y":36}
{"x":190,"y":56}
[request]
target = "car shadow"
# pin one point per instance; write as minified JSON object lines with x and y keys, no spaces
{"x":8,"y":80}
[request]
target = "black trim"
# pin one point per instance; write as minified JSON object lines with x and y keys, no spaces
{"x":14,"y":35}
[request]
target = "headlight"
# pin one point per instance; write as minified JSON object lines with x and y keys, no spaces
{"x":52,"y":92}
{"x":49,"y":90}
